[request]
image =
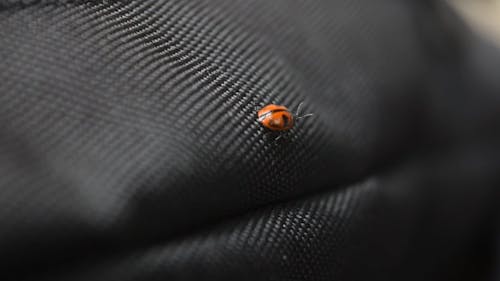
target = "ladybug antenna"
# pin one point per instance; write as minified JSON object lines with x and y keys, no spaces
{"x":298,"y":112}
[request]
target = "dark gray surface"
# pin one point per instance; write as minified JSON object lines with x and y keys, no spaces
{"x":129,"y":148}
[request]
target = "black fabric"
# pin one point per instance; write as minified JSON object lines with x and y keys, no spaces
{"x":129,"y":147}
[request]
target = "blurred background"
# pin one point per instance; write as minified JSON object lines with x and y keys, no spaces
{"x":483,"y":15}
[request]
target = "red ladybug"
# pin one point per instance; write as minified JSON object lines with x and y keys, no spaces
{"x":278,"y":117}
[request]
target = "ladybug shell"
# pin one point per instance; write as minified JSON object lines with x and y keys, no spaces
{"x":275,"y":117}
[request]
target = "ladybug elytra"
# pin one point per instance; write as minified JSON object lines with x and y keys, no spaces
{"x":278,"y":117}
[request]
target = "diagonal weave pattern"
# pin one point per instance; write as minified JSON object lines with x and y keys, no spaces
{"x":130,"y":150}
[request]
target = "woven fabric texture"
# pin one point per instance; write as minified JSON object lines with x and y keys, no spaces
{"x":129,"y":147}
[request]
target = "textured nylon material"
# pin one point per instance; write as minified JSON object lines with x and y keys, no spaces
{"x":130,"y":150}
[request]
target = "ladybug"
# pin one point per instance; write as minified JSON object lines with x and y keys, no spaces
{"x":278,"y":117}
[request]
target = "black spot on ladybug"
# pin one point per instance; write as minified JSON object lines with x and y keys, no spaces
{"x":285,"y":120}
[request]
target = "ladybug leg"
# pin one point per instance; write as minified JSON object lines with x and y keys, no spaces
{"x":275,"y":136}
{"x":297,"y":114}
{"x":304,"y":116}
{"x":298,"y":108}
{"x":282,"y":136}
